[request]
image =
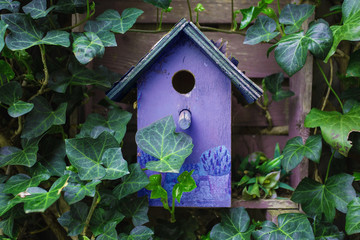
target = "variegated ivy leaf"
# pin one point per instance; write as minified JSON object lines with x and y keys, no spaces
{"x":294,"y":15}
{"x":10,"y":155}
{"x":74,"y":219}
{"x":24,"y":33}
{"x":102,"y":30}
{"x":120,"y":24}
{"x":12,"y":6}
{"x":164,"y":4}
{"x":138,"y":233}
{"x":37,"y":9}
{"x":3,"y":27}
{"x":262,"y":30}
{"x":86,"y":46}
{"x":160,"y":140}
{"x":42,"y":117}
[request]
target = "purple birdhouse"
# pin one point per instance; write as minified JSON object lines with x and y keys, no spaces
{"x":187,"y":76}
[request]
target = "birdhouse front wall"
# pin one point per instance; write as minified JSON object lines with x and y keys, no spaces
{"x":210,"y":105}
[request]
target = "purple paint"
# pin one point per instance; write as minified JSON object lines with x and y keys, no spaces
{"x":210,"y":106}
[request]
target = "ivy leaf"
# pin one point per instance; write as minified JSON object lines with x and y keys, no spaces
{"x":157,"y":191}
{"x":234,"y":225}
{"x":320,"y":38}
{"x":102,"y":217}
{"x":138,"y":233}
{"x":37,"y":9}
{"x":131,"y":183}
{"x":353,"y":67}
{"x":335,"y":127}
{"x":317,"y":198}
{"x":86,"y":154}
{"x":20,"y":108}
{"x":76,"y":190}
{"x":53,"y":152}
{"x":7,"y":225}
{"x":135,"y":208}
{"x":12,"y":6}
{"x":102,"y":30}
{"x":273,"y":84}
{"x":70,"y":6}
{"x":326,"y":231}
{"x":121,"y":24}
{"x":109,"y":232}
{"x":294,"y":15}
{"x":3,"y":27}
{"x":249,"y":14}
{"x":116,"y":165}
{"x":38,"y":200}
{"x":6,"y":201}
{"x":10,"y":93}
{"x":42,"y":117}
{"x":262,"y":30}
{"x":291,"y":226}
{"x":86,"y":46}
{"x":25,"y":34}
{"x":352,"y":225}
{"x":186,"y":183}
{"x":10,"y":155}
{"x":164,"y":4}
{"x":350,"y":29}
{"x":115,"y":123}
{"x":6,"y":72}
{"x":74,"y":219}
{"x":160,"y":140}
{"x":295,"y":150}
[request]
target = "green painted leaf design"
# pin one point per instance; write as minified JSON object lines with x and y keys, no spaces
{"x":14,"y":156}
{"x":52,"y":151}
{"x":109,"y":232}
{"x":294,"y":15}
{"x":317,"y":198}
{"x":273,"y":84}
{"x":234,"y":225}
{"x":295,"y":150}
{"x":326,"y":231}
{"x":12,"y":6}
{"x":350,"y":29}
{"x":74,"y":219}
{"x":186,"y":183}
{"x":262,"y":30}
{"x":42,"y":117}
{"x":164,"y":4}
{"x":291,"y":226}
{"x":353,"y":69}
{"x":20,"y":108}
{"x":76,"y":190}
{"x":121,"y":24}
{"x":160,"y":140}
{"x":37,"y":9}
{"x":115,"y":123}
{"x":133,"y":182}
{"x":138,"y":233}
{"x":70,"y":6}
{"x":38,"y":200}
{"x":135,"y":208}
{"x":86,"y":46}
{"x":335,"y":127}
{"x":3,"y":27}
{"x":25,"y":34}
{"x":6,"y":72}
{"x":102,"y":29}
{"x":116,"y":165}
{"x":86,"y":154}
{"x":352,"y":225}
{"x":101,"y":217}
{"x":249,"y":14}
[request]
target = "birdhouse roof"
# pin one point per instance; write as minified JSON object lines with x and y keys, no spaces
{"x":247,"y":88}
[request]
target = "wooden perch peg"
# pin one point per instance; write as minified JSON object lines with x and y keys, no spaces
{"x":184,"y":119}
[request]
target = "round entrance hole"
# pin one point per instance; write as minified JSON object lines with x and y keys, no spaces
{"x":183,"y":81}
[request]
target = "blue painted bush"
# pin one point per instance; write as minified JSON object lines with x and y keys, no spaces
{"x":216,"y":161}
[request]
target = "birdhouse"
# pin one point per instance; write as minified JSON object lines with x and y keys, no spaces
{"x":187,"y":76}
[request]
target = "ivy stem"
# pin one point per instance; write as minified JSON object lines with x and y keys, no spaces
{"x":232,"y":15}
{"x":329,"y":164}
{"x":94,"y":203}
{"x":172,"y":220}
{"x":160,"y":22}
{"x":148,"y":31}
{"x":190,"y":13}
{"x":45,"y":81}
{"x":278,"y":5}
{"x":332,"y":90}
{"x":220,"y":30}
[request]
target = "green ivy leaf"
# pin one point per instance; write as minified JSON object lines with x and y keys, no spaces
{"x":291,"y":226}
{"x":86,"y":154}
{"x":20,"y":108}
{"x":115,"y":123}
{"x":335,"y":127}
{"x":3,"y":27}
{"x":76,"y":190}
{"x":12,"y":6}
{"x":294,"y":15}
{"x":101,"y":217}
{"x":133,"y":182}
{"x":6,"y":72}
{"x":249,"y":14}
{"x":164,"y":4}
{"x":7,"y":225}
{"x":350,"y":29}
{"x":37,"y":9}
{"x":317,"y":198}
{"x":157,"y":191}
{"x":109,"y":232}
{"x":102,"y":30}
{"x":326,"y":231}
{"x":320,"y":38}
{"x":10,"y":93}
{"x":25,"y":34}
{"x":121,"y":24}
{"x":116,"y":165}
{"x":352,"y":225}
{"x":273,"y":84}
{"x":86,"y":46}
{"x":70,"y":6}
{"x":53,"y":153}
{"x":186,"y":183}
{"x":42,"y":117}
{"x":295,"y":150}
{"x":10,"y":155}
{"x":234,"y":225}
{"x":160,"y":140}
{"x":138,"y":233}
{"x":353,"y":69}
{"x":6,"y":201}
{"x":135,"y":208}
{"x":74,"y":219}
{"x":38,"y":200}
{"x":262,"y":30}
